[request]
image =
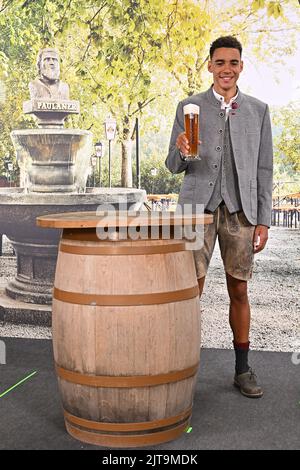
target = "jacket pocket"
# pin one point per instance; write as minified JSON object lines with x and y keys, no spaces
{"x":252,"y":130}
{"x":187,"y":189}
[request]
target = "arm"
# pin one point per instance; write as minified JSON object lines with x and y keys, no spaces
{"x":265,"y":173}
{"x":264,"y":185}
{"x":174,"y":162}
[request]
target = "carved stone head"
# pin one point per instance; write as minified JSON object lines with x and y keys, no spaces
{"x":48,"y":64}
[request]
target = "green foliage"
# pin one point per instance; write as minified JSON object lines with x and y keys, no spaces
{"x":127,"y":58}
{"x":287,"y":143}
{"x":257,"y":5}
{"x":163,"y":182}
{"x":274,"y":9}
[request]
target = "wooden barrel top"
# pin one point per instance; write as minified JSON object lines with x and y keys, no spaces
{"x":93,"y":219}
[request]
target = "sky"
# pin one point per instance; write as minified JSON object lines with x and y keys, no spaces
{"x":260,"y":81}
{"x":271,"y":84}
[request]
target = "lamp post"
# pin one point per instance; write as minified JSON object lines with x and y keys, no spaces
{"x":93,"y":164}
{"x":99,"y":152}
{"x":10,"y":167}
{"x":136,"y":135}
{"x":153,"y":172}
{"x":110,"y":132}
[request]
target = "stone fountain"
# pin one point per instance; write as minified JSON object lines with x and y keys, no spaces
{"x":54,"y":164}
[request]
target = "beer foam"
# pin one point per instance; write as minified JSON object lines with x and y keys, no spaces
{"x":191,"y":109}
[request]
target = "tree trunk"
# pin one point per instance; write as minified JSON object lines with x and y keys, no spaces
{"x":126,"y":143}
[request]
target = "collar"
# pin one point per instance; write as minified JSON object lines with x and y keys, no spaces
{"x":221,"y":99}
{"x":210,"y":96}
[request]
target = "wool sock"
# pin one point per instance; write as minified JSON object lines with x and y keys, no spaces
{"x":241,"y":357}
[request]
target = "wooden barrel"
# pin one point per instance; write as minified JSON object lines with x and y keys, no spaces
{"x":126,"y":337}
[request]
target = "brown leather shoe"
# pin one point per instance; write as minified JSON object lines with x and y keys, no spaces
{"x":247,"y":384}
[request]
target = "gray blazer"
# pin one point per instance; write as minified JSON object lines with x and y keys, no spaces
{"x":251,"y":137}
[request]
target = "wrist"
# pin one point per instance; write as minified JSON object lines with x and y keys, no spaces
{"x":182,"y":156}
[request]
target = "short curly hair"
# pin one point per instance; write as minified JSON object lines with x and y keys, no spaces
{"x":225,"y":41}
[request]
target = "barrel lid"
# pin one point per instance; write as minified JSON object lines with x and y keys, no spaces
{"x":92,"y":219}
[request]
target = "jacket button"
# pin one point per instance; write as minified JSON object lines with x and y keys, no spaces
{"x":210,"y":183}
{"x":215,"y":165}
{"x":220,"y":131}
{"x":221,"y":114}
{"x":218,"y":148}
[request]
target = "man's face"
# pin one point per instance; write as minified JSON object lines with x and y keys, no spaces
{"x":50,"y":66}
{"x":226,"y":66}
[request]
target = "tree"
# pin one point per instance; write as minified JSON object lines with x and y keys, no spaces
{"x":163,"y":182}
{"x":113,"y":50}
{"x":22,"y":35}
{"x":259,"y":24}
{"x":287,"y":141}
{"x":126,"y":57}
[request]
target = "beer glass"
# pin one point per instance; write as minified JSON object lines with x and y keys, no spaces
{"x":191,"y":126}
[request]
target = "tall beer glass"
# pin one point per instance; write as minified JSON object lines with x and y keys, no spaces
{"x":191,"y":126}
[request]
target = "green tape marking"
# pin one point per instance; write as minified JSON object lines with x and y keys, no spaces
{"x":17,"y":384}
{"x":189,"y":430}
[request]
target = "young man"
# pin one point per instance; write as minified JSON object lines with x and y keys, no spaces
{"x":233,"y":180}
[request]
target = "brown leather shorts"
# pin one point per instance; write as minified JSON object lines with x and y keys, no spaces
{"x":235,"y":236}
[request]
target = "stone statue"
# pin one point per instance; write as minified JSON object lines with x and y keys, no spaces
{"x":49,"y":97}
{"x":48,"y":84}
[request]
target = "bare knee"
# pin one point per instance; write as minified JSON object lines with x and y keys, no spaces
{"x":237,"y":290}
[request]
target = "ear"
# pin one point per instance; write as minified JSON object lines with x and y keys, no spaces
{"x":241,"y":66}
{"x":209,"y":66}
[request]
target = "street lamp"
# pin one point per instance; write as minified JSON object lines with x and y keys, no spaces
{"x":93,"y":163}
{"x":99,"y":152}
{"x":110,"y":132}
{"x":9,"y":167}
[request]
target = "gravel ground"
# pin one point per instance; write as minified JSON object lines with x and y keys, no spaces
{"x":273,"y":293}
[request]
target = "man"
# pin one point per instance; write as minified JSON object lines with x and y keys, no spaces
{"x":48,"y":85}
{"x":233,"y":180}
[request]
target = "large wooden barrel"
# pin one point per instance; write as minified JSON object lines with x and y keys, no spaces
{"x":126,"y":337}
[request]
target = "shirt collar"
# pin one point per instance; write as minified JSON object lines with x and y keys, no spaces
{"x":221,"y":99}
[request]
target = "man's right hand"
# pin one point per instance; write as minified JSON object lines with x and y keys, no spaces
{"x":182,"y":143}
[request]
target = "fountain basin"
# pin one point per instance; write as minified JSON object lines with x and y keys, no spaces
{"x":36,"y":249}
{"x":53,"y":160}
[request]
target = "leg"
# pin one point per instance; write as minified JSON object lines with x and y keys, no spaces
{"x":239,"y":319}
{"x":203,"y":255}
{"x":236,"y":239}
{"x":236,"y":245}
{"x":201,"y":281}
{"x":239,"y":310}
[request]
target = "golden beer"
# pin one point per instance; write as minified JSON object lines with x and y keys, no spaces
{"x":191,"y":126}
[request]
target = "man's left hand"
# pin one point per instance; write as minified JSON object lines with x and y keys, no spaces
{"x":260,"y":238}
